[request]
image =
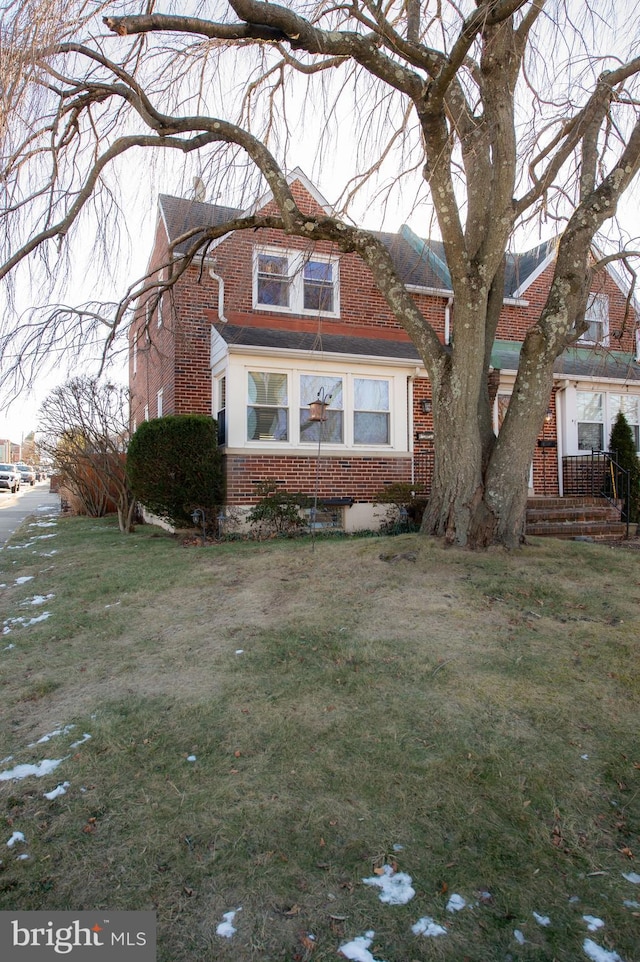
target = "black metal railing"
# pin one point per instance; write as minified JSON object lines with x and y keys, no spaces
{"x":598,"y":475}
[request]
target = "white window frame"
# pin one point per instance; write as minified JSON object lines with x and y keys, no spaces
{"x":296,"y":404}
{"x":146,"y":412}
{"x":597,"y":312}
{"x":287,"y":408}
{"x":296,"y":261}
{"x":159,"y":402}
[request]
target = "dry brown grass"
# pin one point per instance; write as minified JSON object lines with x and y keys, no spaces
{"x":389,"y":692}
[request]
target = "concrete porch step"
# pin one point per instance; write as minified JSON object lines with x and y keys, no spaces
{"x":577,"y":517}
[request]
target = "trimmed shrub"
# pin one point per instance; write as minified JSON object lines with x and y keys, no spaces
{"x":174,"y":466}
{"x":622,"y":446}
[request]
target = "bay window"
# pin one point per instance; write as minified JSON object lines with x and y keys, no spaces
{"x":358,"y":412}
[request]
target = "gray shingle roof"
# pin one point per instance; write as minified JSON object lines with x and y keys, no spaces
{"x":419,"y":262}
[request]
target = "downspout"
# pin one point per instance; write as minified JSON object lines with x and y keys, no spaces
{"x":219,"y":279}
{"x":561,"y":429}
{"x":447,"y":321}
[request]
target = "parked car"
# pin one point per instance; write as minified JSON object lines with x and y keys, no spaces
{"x":10,"y":477}
{"x":27,"y":473}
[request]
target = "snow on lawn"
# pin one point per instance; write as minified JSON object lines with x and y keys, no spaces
{"x":61,"y":789}
{"x":39,"y":769}
{"x":226,"y":928}
{"x":24,"y":622}
{"x":396,"y":886}
{"x":37,"y":600}
{"x":427,"y":927}
{"x":593,"y":923}
{"x":595,"y":952}
{"x":632,"y":877}
{"x":358,"y":949}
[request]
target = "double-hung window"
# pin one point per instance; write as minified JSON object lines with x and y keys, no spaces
{"x":295,"y":281}
{"x":371,"y":420}
{"x":268,"y":406}
{"x":597,"y":317}
{"x":630,"y":407}
{"x":590,"y":421}
{"x":315,"y":387}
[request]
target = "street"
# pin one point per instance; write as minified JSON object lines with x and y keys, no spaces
{"x":14,"y":508}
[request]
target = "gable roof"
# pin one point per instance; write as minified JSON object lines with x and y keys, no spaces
{"x":420,"y":262}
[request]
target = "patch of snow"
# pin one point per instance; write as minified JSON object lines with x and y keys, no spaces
{"x":191,"y":758}
{"x":519,"y":937}
{"x":114,"y":605}
{"x":81,"y":741}
{"x":358,"y":949}
{"x":16,"y":837}
{"x":593,"y":923}
{"x":542,"y":919}
{"x":60,"y":790}
{"x":396,"y":886}
{"x":38,"y":599}
{"x":398,"y":848}
{"x":39,"y":769}
{"x":9,"y":647}
{"x":23,"y":858}
{"x":456,"y":903}
{"x":632,"y":877}
{"x":585,"y":757}
{"x":43,"y":524}
{"x":427,"y":927}
{"x":630,"y":904}
{"x":595,"y":952}
{"x":23,"y":580}
{"x":53,"y":734}
{"x":226,"y":928}
{"x":239,"y":651}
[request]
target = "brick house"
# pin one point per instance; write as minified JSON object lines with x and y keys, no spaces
{"x":263,"y":323}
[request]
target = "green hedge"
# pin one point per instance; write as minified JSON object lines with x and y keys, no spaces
{"x":174,"y":466}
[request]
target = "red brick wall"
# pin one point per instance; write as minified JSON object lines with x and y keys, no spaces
{"x":339,"y":477}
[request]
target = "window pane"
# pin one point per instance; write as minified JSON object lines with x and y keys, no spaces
{"x":311,"y":385}
{"x":597,"y":316}
{"x":273,"y":280}
{"x":625,"y":403}
{"x":369,"y":428}
{"x":589,"y":406}
{"x":267,"y":388}
{"x":331,"y":428}
{"x":590,"y":437}
{"x":267,"y":424}
{"x":370,"y":395}
{"x":318,"y":286}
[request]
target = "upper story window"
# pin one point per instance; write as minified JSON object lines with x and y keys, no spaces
{"x":597,"y":317}
{"x":295,"y":281}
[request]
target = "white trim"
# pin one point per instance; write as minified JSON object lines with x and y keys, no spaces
{"x":296,"y":260}
{"x":540,"y":269}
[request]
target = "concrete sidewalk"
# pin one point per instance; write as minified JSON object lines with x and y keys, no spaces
{"x":14,"y":508}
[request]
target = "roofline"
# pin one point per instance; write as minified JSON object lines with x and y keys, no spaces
{"x":540,"y":269}
{"x":336,"y":356}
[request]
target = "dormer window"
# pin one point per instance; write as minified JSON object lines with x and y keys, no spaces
{"x":597,"y":317}
{"x":296,"y":282}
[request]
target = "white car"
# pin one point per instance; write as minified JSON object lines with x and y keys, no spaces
{"x":10,"y":477}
